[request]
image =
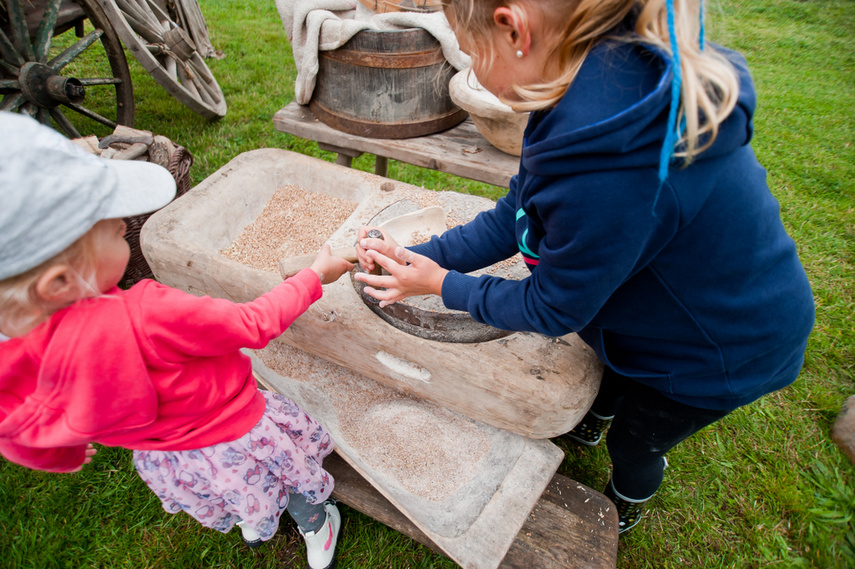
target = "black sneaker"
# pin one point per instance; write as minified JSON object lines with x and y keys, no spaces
{"x":590,"y":430}
{"x":629,"y":511}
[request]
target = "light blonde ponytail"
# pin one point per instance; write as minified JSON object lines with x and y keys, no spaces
{"x":709,"y":85}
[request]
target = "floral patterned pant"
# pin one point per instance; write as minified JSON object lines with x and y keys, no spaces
{"x":248,"y":479}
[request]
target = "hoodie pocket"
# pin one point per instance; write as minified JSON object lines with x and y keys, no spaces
{"x":611,"y":356}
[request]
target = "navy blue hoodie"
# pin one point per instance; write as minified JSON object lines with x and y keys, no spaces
{"x":692,"y":287}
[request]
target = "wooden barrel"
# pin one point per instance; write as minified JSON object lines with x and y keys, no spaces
{"x":386,"y":84}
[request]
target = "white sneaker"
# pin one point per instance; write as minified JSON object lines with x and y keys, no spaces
{"x":250,"y":536}
{"x":320,"y":544}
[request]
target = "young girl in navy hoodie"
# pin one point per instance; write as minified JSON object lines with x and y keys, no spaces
{"x":151,"y":369}
{"x":642,"y":214}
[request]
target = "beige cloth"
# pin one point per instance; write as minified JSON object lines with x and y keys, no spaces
{"x":323,"y":25}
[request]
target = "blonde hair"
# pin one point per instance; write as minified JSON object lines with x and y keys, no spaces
{"x":709,"y":85}
{"x":20,"y":307}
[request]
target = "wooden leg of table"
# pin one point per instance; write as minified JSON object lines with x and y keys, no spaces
{"x":381,"y":166}
{"x":344,"y":156}
{"x":343,"y":160}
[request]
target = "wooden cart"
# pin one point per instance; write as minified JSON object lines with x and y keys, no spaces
{"x":81,"y":81}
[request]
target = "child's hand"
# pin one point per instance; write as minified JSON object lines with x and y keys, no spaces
{"x":386,"y":246}
{"x":328,"y":267}
{"x":90,"y":452}
{"x":409,"y":275}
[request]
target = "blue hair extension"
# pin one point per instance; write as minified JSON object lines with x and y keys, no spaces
{"x":701,"y":34}
{"x":676,"y":84}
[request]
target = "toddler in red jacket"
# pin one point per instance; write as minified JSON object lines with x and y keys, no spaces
{"x":151,"y":369}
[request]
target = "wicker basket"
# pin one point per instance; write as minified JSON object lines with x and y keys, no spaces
{"x":138,"y":269}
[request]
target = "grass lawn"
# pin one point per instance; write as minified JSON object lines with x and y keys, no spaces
{"x":765,"y":487}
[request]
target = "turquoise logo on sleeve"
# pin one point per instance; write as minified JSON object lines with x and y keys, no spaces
{"x":528,"y":255}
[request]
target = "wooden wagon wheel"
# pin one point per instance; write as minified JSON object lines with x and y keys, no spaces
{"x":74,"y":87}
{"x":166,"y":51}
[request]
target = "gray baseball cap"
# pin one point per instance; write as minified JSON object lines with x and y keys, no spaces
{"x":52,"y":192}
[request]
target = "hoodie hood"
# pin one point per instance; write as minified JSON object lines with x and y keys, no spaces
{"x":614,"y":114}
{"x":46,"y":402}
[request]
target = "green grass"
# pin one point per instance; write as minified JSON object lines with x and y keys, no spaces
{"x":765,"y":487}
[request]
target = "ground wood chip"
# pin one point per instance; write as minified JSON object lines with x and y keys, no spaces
{"x":294,"y":222}
{"x":429,"y":450}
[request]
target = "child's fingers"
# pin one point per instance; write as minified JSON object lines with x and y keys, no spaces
{"x":386,"y":246}
{"x":87,"y":457}
{"x":381,"y":259}
{"x":376,"y":281}
{"x":385,"y":296}
{"x":324,"y":252}
{"x":362,"y":244}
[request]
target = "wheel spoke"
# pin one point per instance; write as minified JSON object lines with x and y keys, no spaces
{"x":94,"y":81}
{"x":143,"y":10}
{"x":64,"y":123}
{"x":91,"y":114}
{"x":202,"y":70}
{"x":9,"y":69}
{"x":29,"y":108}
{"x":9,"y":52}
{"x":171,"y":67}
{"x":203,"y":92}
{"x":12,"y":101}
{"x":70,"y":53}
{"x":142,"y":21}
{"x":43,"y":115}
{"x":186,"y":83}
{"x":205,"y":89}
{"x":150,"y":9}
{"x":10,"y":84}
{"x":41,"y":44}
{"x":142,"y":29}
{"x":20,"y":33}
{"x":158,"y":13}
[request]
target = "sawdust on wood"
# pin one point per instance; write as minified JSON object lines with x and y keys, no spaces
{"x":427,"y":449}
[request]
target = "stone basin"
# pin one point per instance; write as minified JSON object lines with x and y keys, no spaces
{"x":528,"y":384}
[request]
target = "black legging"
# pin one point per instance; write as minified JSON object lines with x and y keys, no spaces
{"x":646,"y":425}
{"x":310,"y":517}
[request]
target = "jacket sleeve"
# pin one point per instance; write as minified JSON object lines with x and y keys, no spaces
{"x":63,"y":459}
{"x":595,"y":237}
{"x":180,"y":325}
{"x":487,"y":239}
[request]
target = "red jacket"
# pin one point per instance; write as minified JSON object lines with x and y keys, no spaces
{"x":144,"y":369}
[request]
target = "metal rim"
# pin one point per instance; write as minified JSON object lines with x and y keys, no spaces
{"x":166,"y":51}
{"x":39,"y":83}
{"x":455,"y":327}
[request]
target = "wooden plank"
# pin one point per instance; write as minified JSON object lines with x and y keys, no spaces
{"x":460,"y":150}
{"x":571,"y":526}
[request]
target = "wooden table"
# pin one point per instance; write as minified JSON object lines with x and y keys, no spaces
{"x":460,"y":150}
{"x":571,"y":525}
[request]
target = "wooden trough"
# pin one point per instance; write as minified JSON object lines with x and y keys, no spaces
{"x":498,"y":399}
{"x":528,"y":384}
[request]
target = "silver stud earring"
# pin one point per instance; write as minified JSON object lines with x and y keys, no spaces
{"x":519,"y":53}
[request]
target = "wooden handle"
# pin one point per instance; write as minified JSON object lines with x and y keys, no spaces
{"x":290,"y":266}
